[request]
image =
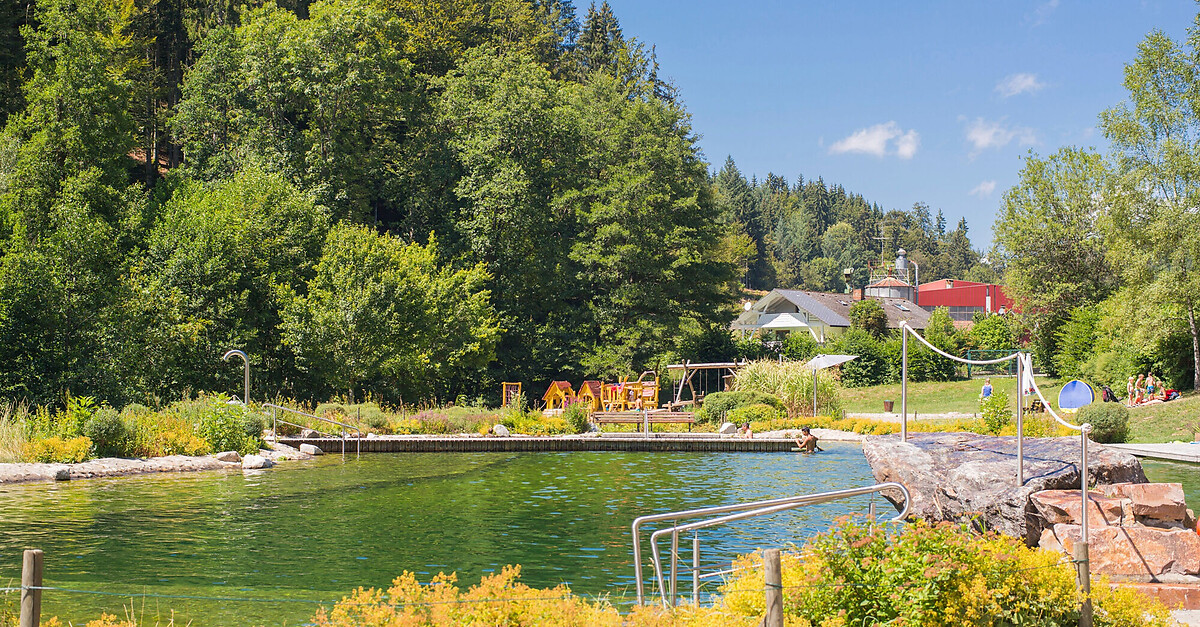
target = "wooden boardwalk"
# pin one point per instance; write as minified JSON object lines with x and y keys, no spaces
{"x":514,"y":444}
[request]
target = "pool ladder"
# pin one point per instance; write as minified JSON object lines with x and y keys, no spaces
{"x":276,"y":420}
{"x":735,"y":512}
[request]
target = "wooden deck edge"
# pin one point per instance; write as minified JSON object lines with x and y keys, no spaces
{"x":535,"y":444}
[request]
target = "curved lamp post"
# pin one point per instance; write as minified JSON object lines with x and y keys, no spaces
{"x":246,"y":364}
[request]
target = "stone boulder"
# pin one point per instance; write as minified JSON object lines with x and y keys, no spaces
{"x":1057,"y":507}
{"x":1136,"y":553}
{"x":228,"y":456}
{"x":969,"y":477}
{"x":310,"y":434}
{"x":727,"y":428}
{"x":1154,"y":501}
{"x":254,"y":462}
{"x":309,"y":449}
{"x":500,"y":430}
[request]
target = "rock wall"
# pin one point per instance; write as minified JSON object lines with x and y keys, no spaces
{"x":969,"y":477}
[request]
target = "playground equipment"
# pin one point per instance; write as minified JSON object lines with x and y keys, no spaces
{"x":722,"y":372}
{"x":589,"y":394}
{"x":509,"y":393}
{"x":558,"y":395}
{"x":627,"y":395}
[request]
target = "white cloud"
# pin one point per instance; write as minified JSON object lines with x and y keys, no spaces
{"x":906,"y":144}
{"x":1021,"y":83}
{"x":874,"y":140}
{"x":984,"y":134}
{"x":983,"y":189}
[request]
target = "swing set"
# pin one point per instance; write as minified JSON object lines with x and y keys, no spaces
{"x":714,"y":377}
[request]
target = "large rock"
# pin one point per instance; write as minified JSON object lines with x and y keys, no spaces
{"x":499,"y":429}
{"x":309,"y":449}
{"x":1063,"y":506}
{"x":969,"y":477}
{"x":1155,"y":501}
{"x":1139,"y":553}
{"x":228,"y":456}
{"x":727,"y":428}
{"x":256,"y":461}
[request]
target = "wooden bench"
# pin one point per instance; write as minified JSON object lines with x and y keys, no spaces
{"x":647,"y":418}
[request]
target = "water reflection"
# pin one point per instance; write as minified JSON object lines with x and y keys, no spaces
{"x":315,"y":530}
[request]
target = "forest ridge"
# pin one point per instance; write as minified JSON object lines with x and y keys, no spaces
{"x":413,"y":199}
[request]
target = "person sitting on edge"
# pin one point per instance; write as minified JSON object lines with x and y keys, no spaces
{"x":746,"y":431}
{"x":808,"y":442}
{"x":987,"y":388}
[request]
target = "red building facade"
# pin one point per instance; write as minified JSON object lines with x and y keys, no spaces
{"x":963,"y":298}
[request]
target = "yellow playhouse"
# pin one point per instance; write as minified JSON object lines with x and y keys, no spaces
{"x":589,"y":394}
{"x":558,"y":395}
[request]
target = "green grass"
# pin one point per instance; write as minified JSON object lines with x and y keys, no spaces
{"x":1175,"y":420}
{"x":937,"y":397}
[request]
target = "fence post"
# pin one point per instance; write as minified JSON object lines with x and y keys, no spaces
{"x":31,"y":595}
{"x":1079,"y":554}
{"x":774,"y":588}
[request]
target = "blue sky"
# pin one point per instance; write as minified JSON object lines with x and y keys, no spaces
{"x":899,"y":101}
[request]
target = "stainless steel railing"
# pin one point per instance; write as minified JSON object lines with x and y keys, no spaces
{"x":745,"y":510}
{"x":275,"y":421}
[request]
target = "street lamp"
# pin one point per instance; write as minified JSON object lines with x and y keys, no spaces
{"x":246,"y":367}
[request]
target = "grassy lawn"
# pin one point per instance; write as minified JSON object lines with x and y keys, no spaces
{"x":937,"y":397}
{"x":1176,"y":420}
{"x":1167,"y":422}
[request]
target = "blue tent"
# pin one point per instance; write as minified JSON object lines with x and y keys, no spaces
{"x":1075,"y":394}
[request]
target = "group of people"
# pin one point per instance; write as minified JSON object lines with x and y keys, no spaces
{"x":1145,"y":388}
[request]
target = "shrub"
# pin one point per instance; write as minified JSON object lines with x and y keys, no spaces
{"x":134,"y":409}
{"x":108,"y":433}
{"x":936,"y":575}
{"x":1110,"y":421}
{"x":872,"y":365}
{"x":57,"y":450}
{"x":224,"y":425}
{"x":369,"y":414}
{"x":994,"y":411}
{"x":792,"y":384}
{"x":576,"y":415}
{"x":800,"y":346}
{"x":159,"y":434}
{"x":718,"y":404}
{"x":759,"y":412}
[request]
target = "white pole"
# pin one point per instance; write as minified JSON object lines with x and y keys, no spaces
{"x":1020,"y":422}
{"x":904,"y":383}
{"x":814,"y":392}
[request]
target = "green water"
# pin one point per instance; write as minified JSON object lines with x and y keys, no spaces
{"x":316,"y":530}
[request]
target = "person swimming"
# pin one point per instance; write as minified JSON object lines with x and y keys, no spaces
{"x":808,"y":442}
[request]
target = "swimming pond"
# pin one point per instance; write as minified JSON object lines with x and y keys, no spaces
{"x":313,"y":531}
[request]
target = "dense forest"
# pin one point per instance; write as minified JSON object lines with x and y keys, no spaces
{"x":805,"y":234}
{"x":414,"y":199}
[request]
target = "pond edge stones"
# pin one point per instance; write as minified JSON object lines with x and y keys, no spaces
{"x":256,"y":462}
{"x":970,"y":477}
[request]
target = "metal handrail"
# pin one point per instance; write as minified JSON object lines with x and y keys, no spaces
{"x":748,"y":510}
{"x":275,"y":420}
{"x":343,"y":425}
